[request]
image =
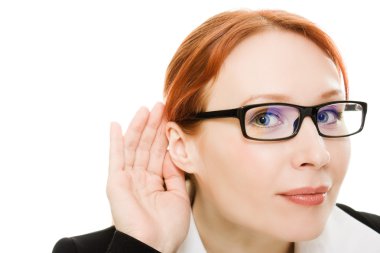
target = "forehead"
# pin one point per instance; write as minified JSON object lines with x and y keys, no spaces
{"x":275,"y":62}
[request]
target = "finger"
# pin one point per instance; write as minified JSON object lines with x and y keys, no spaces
{"x":158,"y":150}
{"x":116,"y":158}
{"x":174,"y":177}
{"x":132,"y":136}
{"x":147,"y":138}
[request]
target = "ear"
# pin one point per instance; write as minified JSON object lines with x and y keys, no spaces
{"x":180,"y":147}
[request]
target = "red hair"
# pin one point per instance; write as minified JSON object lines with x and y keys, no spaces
{"x":200,"y":56}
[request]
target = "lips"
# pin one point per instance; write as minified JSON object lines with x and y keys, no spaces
{"x":307,"y":196}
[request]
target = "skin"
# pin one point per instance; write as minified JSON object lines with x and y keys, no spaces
{"x":237,"y":205}
{"x":238,"y":180}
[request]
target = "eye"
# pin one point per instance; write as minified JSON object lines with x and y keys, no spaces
{"x":328,"y":116}
{"x":266,"y":119}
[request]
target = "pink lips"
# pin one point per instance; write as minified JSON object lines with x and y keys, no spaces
{"x":307,"y":196}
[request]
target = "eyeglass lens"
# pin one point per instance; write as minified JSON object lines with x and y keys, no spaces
{"x":281,"y":121}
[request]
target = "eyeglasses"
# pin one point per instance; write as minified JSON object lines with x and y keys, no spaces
{"x":281,"y":121}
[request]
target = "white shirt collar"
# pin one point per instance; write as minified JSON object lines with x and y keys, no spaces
{"x":342,"y":233}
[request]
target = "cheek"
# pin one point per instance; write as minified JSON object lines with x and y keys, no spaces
{"x":261,"y":163}
{"x":236,"y":171}
{"x":340,"y":152}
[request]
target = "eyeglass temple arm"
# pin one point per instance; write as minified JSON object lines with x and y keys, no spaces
{"x":352,"y":107}
{"x":218,"y":114}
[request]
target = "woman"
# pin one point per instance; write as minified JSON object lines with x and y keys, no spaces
{"x":257,"y":116}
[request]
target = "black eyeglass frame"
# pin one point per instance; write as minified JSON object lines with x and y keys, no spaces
{"x":304,"y":111}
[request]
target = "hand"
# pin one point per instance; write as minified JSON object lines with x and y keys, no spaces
{"x":146,"y":191}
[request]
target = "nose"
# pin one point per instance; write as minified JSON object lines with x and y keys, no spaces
{"x":308,"y":148}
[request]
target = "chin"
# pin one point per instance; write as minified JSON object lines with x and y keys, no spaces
{"x":309,"y":234}
{"x":304,"y":232}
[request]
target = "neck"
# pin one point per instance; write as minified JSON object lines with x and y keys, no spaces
{"x":219,"y":235}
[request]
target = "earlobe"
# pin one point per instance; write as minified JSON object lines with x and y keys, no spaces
{"x":178,"y":147}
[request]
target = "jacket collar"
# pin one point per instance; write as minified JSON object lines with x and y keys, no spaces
{"x":342,"y":233}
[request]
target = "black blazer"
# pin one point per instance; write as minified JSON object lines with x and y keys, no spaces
{"x":112,"y":241}
{"x":103,"y":241}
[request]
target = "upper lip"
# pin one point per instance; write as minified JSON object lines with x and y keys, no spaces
{"x":307,"y":190}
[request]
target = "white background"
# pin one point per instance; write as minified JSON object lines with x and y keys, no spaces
{"x":69,"y":68}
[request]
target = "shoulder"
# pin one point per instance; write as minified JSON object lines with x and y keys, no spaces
{"x":92,"y":242}
{"x":106,"y":240}
{"x":370,"y":220}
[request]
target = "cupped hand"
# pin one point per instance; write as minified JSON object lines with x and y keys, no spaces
{"x":146,"y":191}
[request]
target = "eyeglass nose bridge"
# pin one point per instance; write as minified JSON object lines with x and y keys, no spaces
{"x":306,"y":112}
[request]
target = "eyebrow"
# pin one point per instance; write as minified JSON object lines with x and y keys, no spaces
{"x":284,"y":98}
{"x":331,"y":93}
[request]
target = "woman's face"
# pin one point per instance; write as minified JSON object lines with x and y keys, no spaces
{"x":241,"y":179}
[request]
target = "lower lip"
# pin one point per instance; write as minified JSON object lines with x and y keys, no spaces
{"x":306,"y":199}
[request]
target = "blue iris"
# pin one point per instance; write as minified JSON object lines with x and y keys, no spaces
{"x":267,"y":119}
{"x":264,"y":120}
{"x":323,"y":117}
{"x":327,"y":116}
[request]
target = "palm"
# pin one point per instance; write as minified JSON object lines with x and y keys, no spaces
{"x":140,"y":170}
